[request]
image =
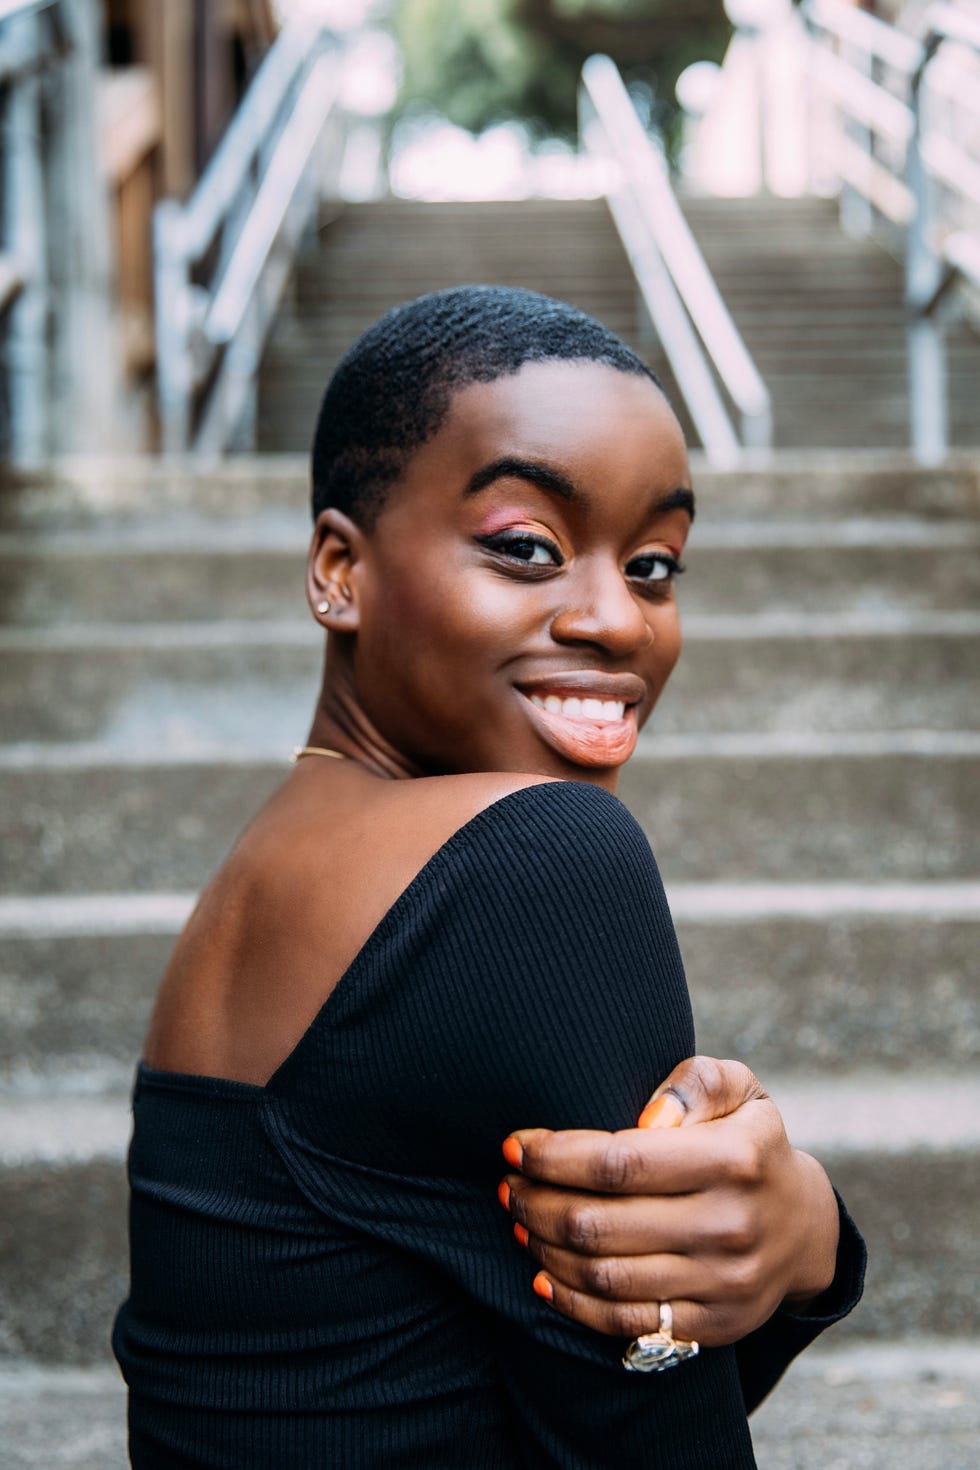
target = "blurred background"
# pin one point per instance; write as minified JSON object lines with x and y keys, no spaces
{"x":202,"y":204}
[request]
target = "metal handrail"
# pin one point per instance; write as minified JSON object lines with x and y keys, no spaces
{"x":866,"y":33}
{"x":250,"y":206}
{"x":861,"y":98}
{"x":15,"y":9}
{"x":24,"y":283}
{"x":694,"y":326}
{"x":12,"y":281}
{"x":938,"y":254}
{"x":946,"y":22}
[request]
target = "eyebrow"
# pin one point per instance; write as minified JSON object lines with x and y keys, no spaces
{"x":534,"y":470}
{"x":557,"y":483}
{"x":680,"y":499}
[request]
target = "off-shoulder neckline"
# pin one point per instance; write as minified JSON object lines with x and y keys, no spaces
{"x":230,"y":1087}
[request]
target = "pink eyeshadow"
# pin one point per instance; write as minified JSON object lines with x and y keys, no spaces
{"x":502,"y":518}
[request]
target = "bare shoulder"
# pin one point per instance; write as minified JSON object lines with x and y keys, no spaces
{"x":340,"y":867}
{"x":391,"y":830}
{"x":297,"y":899}
{"x":441,"y":805}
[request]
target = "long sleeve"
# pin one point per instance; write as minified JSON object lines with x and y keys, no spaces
{"x":529,"y":976}
{"x":765,"y":1354}
{"x":321,"y":1273}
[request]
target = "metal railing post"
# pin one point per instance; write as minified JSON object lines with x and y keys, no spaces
{"x":698,"y":336}
{"x":856,"y":215}
{"x":26,"y":351}
{"x":222,"y":258}
{"x":173,"y":315}
{"x":923,"y":278}
{"x":81,"y":249}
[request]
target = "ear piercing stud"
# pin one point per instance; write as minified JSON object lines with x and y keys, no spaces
{"x":323,"y":607}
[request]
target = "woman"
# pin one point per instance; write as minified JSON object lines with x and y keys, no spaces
{"x":442,"y":926}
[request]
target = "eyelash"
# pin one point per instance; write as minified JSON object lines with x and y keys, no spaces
{"x":505,"y":543}
{"x":674,"y":567}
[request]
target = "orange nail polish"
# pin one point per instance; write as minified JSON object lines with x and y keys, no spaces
{"x":513,"y":1152}
{"x":520,"y":1232}
{"x":543,"y":1287}
{"x":503,"y":1193}
{"x":663,"y":1112}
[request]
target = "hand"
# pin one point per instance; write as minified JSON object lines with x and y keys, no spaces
{"x":704,"y":1205}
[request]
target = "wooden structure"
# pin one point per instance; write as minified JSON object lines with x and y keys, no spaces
{"x":174,"y":74}
{"x":106,"y":106}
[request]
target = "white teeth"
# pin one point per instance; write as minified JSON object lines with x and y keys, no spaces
{"x":583,"y":709}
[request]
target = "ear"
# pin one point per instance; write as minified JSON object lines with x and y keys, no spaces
{"x":336,"y":550}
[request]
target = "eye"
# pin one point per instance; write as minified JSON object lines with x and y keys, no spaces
{"x":654,"y":567}
{"x":521,"y":546}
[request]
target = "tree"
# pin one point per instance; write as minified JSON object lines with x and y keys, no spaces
{"x":484,"y":61}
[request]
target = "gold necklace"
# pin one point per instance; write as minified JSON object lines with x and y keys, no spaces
{"x":316,"y":750}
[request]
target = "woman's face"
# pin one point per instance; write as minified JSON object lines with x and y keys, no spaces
{"x":515,"y":601}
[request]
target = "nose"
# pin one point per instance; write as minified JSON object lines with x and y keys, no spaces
{"x":600,"y":609}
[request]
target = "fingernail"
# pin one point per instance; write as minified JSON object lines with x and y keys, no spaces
{"x":513,"y":1152}
{"x":663,"y":1112}
{"x":521,"y":1233}
{"x":543,"y":1287}
{"x":503,"y":1193}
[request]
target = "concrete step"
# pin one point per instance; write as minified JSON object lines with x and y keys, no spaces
{"x":845,"y":808}
{"x":63,"y":1243}
{"x":727,"y":811}
{"x":250,"y":685}
{"x":147,"y":496}
{"x":907,"y":1160}
{"x":888,"y":431}
{"x":822,"y":313}
{"x":839,"y":1407}
{"x":878,"y":566}
{"x":787,"y":977}
{"x":832,"y":979}
{"x":858,"y":1406}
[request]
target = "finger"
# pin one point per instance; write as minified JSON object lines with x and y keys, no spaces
{"x":626,"y":1319}
{"x":609,"y":1163}
{"x":621,"y":1278}
{"x":593,"y":1225}
{"x":653,"y":1161}
{"x":699,"y":1090}
{"x":704,"y":1323}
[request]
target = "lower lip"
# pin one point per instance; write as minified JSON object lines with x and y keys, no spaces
{"x":586,"y":742}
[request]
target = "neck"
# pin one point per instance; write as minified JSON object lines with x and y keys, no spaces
{"x":341,"y":724}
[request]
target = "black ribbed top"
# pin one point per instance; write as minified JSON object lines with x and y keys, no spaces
{"x":321,"y":1273}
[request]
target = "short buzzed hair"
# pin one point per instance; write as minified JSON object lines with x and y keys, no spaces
{"x":392,"y":390}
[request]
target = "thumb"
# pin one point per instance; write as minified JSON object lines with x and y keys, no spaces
{"x":699,"y":1089}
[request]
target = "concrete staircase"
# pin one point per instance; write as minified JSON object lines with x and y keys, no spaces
{"x":821,"y":314}
{"x":810,"y":785}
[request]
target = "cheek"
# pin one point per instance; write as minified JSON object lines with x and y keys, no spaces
{"x":467,"y":611}
{"x":436,"y":629}
{"x":667,"y":641}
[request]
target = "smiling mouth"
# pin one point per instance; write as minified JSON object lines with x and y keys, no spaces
{"x":574,"y":708}
{"x":583,"y":729}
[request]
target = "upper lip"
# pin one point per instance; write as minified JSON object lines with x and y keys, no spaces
{"x":589,"y":684}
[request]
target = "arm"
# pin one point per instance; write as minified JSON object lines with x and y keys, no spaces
{"x":531,"y":973}
{"x":718,"y":1212}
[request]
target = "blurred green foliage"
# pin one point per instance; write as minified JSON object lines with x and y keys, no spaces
{"x":483,"y":61}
